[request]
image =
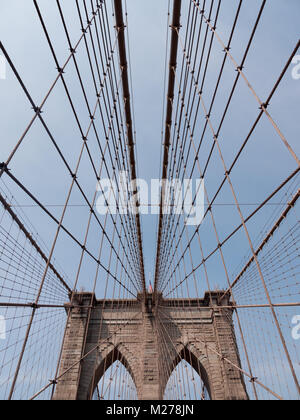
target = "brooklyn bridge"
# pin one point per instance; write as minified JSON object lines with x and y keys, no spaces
{"x":108,"y":291}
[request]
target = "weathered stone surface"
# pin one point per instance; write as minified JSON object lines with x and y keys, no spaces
{"x":150,"y":339}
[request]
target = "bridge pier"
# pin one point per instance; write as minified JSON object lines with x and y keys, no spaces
{"x":150,"y":338}
{"x":150,"y":387}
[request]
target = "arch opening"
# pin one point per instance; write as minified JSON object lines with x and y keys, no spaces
{"x":114,"y":378}
{"x":116,"y":384}
{"x":189,"y":379}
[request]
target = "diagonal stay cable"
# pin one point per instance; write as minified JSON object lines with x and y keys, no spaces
{"x":38,"y":109}
{"x":244,"y":143}
{"x":102,"y":83}
{"x":4,"y":168}
{"x":32,"y":241}
{"x":263,"y":105}
{"x":62,"y":226}
{"x":54,"y":381}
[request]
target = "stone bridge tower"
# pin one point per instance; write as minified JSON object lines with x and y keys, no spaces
{"x":136,"y":332}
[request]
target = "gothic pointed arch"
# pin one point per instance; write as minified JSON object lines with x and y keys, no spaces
{"x":115,"y":353}
{"x":198,"y":361}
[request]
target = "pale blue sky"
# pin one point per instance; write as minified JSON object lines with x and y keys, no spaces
{"x":263,"y":166}
{"x":21,"y":34}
